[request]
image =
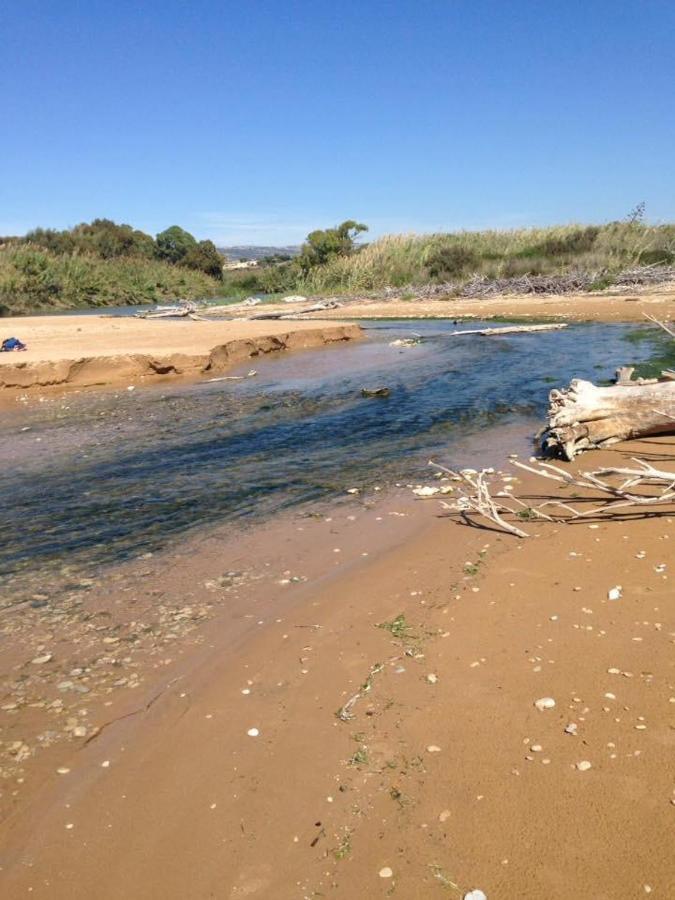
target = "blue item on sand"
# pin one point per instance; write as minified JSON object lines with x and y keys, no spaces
{"x":12,"y":344}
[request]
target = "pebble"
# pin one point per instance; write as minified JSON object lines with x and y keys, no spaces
{"x":475,"y":894}
{"x":432,"y":679}
{"x":571,"y":728}
{"x":614,"y":593}
{"x":386,"y":872}
{"x":253,"y":732}
{"x":39,"y":660}
{"x":544,"y":703}
{"x":445,"y":815}
{"x":584,"y":765}
{"x":432,"y":748}
{"x":62,"y":770}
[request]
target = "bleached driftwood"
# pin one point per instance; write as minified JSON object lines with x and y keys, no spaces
{"x":585,"y":416}
{"x":641,"y":485}
{"x":298,"y":313}
{"x":478,"y":499}
{"x":511,"y":329}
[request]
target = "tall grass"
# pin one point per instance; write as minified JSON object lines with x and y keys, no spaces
{"x":33,"y":279}
{"x":401,"y":260}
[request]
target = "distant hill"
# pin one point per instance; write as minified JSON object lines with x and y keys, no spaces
{"x":254,"y":252}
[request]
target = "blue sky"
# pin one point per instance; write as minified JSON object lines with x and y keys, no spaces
{"x":255,"y":122}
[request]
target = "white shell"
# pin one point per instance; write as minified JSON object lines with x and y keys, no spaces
{"x":544,"y":703}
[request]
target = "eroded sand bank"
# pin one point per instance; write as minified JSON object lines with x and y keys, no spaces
{"x":104,"y":350}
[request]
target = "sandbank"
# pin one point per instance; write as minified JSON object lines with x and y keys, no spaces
{"x":106,"y":350}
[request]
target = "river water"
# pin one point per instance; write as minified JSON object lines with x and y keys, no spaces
{"x":92,"y":478}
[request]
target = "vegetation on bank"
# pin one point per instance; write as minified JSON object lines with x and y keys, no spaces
{"x":35,"y":280}
{"x":402,"y":260}
{"x":600,"y":252}
{"x":104,"y":264}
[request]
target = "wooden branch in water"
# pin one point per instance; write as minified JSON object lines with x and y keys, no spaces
{"x":511,"y":329}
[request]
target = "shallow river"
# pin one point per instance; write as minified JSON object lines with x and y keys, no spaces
{"x":91,"y":478}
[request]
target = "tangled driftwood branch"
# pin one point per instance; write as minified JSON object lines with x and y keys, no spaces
{"x":642,"y":476}
{"x":635,"y":488}
{"x":478,"y":498}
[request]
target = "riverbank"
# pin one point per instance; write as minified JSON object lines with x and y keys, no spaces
{"x":610,"y":306}
{"x":104,"y":350}
{"x":185,"y":740}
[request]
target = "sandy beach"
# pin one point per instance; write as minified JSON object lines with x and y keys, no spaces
{"x":612,"y":306}
{"x":188,"y":745}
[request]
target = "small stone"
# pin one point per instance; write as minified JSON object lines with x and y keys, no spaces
{"x":584,"y":765}
{"x":39,"y":660}
{"x":445,"y":815}
{"x":105,"y":764}
{"x":544,"y":703}
{"x":615,"y":593}
{"x":432,"y":679}
{"x":386,"y":872}
{"x":536,"y":748}
{"x":571,"y":728}
{"x":475,"y":894}
{"x":432,"y":748}
{"x":253,"y":732}
{"x":62,"y":770}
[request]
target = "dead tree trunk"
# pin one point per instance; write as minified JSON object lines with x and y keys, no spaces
{"x":584,"y":416}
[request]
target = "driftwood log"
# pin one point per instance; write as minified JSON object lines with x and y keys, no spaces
{"x":510,"y":329}
{"x":585,"y":416}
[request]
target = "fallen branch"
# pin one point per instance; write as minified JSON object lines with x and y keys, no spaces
{"x":622,"y":495}
{"x":479,"y":500}
{"x":510,"y":329}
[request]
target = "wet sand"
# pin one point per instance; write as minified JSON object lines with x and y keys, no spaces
{"x":205,"y":757}
{"x":106,"y":350}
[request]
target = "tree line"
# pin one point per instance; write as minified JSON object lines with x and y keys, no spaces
{"x":106,"y":239}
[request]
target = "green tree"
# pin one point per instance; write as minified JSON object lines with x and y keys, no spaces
{"x":205,"y":258}
{"x":174,"y":244}
{"x":109,"y":240}
{"x":323,"y":244}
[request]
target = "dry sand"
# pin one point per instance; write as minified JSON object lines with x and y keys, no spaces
{"x":623,"y":306}
{"x":212,"y":762}
{"x":102,"y":350}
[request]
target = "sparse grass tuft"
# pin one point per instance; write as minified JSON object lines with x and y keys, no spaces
{"x":398,"y":627}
